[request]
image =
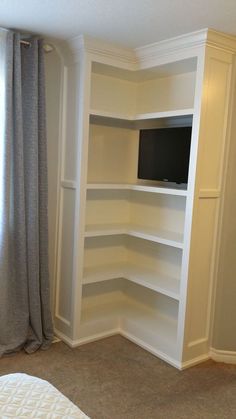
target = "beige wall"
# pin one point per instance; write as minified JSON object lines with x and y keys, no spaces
{"x":224,"y":332}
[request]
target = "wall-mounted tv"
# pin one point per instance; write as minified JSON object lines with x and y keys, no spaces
{"x":164,"y":154}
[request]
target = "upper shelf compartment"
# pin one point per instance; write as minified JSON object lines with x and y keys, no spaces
{"x":156,"y":93}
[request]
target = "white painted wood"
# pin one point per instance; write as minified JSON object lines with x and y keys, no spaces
{"x":64,"y":297}
{"x":229,"y":357}
{"x":178,"y":118}
{"x":75,"y":343}
{"x":206,"y":211}
{"x":194,"y":361}
{"x":147,"y":233}
{"x":153,"y":350}
{"x":155,"y":330}
{"x":68,"y":184}
{"x":82,"y":134}
{"x":138,"y":274}
{"x":132,"y":317}
{"x":164,"y":114}
{"x":173,"y":113}
{"x":145,"y":187}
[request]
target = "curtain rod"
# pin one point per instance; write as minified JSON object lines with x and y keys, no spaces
{"x":46,"y":47}
{"x":25,"y":42}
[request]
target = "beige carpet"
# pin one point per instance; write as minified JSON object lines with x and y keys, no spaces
{"x":115,"y":379}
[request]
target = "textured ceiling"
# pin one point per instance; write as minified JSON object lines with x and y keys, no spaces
{"x":129,"y":23}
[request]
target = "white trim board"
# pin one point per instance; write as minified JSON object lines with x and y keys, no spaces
{"x":219,"y":355}
{"x":134,"y":58}
{"x":82,"y":341}
{"x":195,"y":361}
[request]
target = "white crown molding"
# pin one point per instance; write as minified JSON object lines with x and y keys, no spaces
{"x":81,"y":44}
{"x":134,"y":59}
{"x":218,"y":355}
{"x":221,"y":40}
{"x":172,"y":45}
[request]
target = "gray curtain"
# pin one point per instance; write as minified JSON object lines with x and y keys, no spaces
{"x":25,"y":319}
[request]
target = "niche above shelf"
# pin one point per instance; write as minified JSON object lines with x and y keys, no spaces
{"x":111,"y":307}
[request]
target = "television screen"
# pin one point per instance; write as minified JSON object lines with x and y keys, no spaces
{"x":164,"y":154}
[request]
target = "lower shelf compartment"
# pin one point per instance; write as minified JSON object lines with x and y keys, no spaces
{"x":155,"y":330}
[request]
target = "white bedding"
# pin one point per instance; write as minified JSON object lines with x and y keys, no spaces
{"x":23,"y":396}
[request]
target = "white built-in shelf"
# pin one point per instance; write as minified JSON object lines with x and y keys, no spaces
{"x":130,"y":318}
{"x":161,"y":283}
{"x":177,"y":117}
{"x":166,"y":114}
{"x":148,"y":328}
{"x":109,"y":115}
{"x":137,"y":187}
{"x":168,"y":238}
{"x":143,"y":116}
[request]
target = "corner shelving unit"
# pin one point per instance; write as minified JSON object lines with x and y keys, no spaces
{"x":136,"y":255}
{"x":146,"y":217}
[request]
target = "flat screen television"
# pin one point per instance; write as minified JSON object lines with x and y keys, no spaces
{"x":164,"y":154}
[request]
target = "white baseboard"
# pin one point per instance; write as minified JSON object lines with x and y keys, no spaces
{"x":74,"y":343}
{"x":218,"y":355}
{"x":56,"y":339}
{"x":195,"y":361}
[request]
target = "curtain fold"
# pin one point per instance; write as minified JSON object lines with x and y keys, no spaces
{"x":25,"y":319}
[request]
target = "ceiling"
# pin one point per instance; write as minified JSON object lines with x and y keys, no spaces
{"x":128,"y":23}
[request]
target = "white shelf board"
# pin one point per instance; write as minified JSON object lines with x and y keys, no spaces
{"x":110,"y":115}
{"x":144,"y":116}
{"x":166,"y":114}
{"x":137,"y":187}
{"x":150,"y":279}
{"x":147,"y":233}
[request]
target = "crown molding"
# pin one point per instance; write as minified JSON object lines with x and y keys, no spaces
{"x":133,"y":59}
{"x":171,"y":46}
{"x":82,"y":44}
{"x":221,"y":40}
